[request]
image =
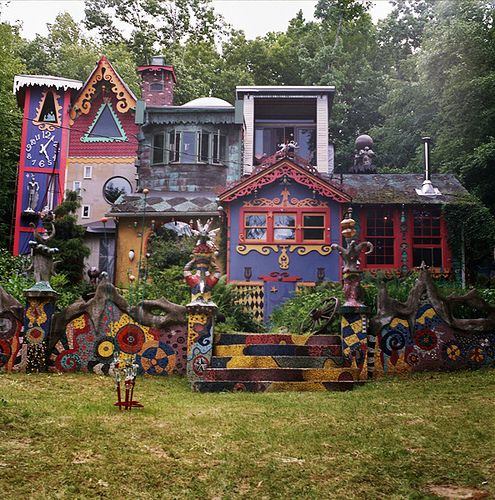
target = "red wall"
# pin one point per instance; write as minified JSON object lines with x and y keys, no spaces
{"x":98,"y":149}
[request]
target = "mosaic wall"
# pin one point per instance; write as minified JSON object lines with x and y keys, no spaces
{"x":10,"y":340}
{"x":430,"y":344}
{"x":88,"y":347}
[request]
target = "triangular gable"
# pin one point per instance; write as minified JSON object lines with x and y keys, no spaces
{"x":285,"y":167}
{"x":106,"y":127}
{"x":103,"y":72}
{"x":48,"y":112}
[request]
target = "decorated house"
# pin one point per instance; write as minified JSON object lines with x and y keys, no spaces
{"x":283,"y":218}
{"x":79,"y":137}
{"x":186,"y":155}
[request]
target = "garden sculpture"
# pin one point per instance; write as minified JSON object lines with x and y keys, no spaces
{"x":42,"y":255}
{"x":33,"y":194}
{"x":351,"y":265}
{"x":201,"y":272}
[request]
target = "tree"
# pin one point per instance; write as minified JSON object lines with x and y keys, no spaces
{"x":69,"y":239}
{"x":152,"y":23}
{"x":10,"y":127}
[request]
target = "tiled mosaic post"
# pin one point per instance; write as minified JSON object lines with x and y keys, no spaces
{"x":40,"y":306}
{"x":357,"y":347}
{"x":201,"y":274}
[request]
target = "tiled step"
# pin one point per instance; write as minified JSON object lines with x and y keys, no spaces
{"x":281,"y":374}
{"x":278,"y":350}
{"x":222,"y":386}
{"x":267,"y":338}
{"x":275,"y":362}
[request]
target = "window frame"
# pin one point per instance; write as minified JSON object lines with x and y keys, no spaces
{"x":441,"y":237}
{"x":83,"y":214}
{"x":299,"y":213}
{"x":154,"y":147}
{"x":367,"y":237}
{"x":88,"y":168}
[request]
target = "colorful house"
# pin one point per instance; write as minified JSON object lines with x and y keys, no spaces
{"x":284,"y":217}
{"x":186,"y":155}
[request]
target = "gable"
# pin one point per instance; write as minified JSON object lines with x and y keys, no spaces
{"x":284,"y":169}
{"x":106,"y":126}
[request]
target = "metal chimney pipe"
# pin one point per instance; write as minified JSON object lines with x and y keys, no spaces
{"x":427,"y":141}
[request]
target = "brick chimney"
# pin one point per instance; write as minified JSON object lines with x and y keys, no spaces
{"x":157,"y":82}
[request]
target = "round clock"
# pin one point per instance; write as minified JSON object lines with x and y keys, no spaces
{"x":41,"y":149}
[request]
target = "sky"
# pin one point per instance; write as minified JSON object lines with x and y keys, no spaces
{"x":255,"y":17}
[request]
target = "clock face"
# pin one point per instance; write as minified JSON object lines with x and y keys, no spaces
{"x":41,"y":149}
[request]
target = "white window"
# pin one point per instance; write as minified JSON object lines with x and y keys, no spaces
{"x":88,"y":172}
{"x":85,"y":211}
{"x":76,"y":186}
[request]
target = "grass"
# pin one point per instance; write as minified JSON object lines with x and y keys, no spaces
{"x":60,"y":437}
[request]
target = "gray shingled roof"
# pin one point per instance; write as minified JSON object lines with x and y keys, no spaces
{"x":399,"y":188}
{"x":166,"y":203}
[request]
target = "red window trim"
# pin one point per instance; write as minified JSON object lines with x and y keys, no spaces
{"x":298,"y":212}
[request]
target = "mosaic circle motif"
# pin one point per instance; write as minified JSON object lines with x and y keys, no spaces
{"x":425,"y":339}
{"x":35,"y":336}
{"x":105,"y":349}
{"x":5,"y":352}
{"x":200,"y":364}
{"x":156,"y":358}
{"x":477,"y":355}
{"x":452,"y":352}
{"x":392,"y":341}
{"x":8,"y":327}
{"x":130,"y":339}
{"x":68,"y":362}
{"x":412,"y":359}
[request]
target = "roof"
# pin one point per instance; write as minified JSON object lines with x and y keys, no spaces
{"x":152,"y":67}
{"x":104,"y":71}
{"x":172,"y":115}
{"x":399,"y":188}
{"x":171,"y":203}
{"x":284,"y":90}
{"x":23,"y":81}
{"x":207,"y":102}
{"x":98,"y":227}
{"x":285,"y":167}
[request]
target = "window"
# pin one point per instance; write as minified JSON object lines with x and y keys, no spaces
{"x":427,"y":238}
{"x":314,"y":227}
{"x":88,"y":172}
{"x":255,"y":227}
{"x":158,"y":148}
{"x":204,"y":146}
{"x":77,"y":186}
{"x":380,"y":232}
{"x":278,"y":227}
{"x":156,"y":87}
{"x":284,"y":227}
{"x":115,"y":187}
{"x":85,"y":211}
{"x":197,"y":147}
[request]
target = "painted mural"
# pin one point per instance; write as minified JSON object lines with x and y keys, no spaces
{"x":88,"y":347}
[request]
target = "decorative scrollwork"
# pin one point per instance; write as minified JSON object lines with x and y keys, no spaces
{"x":261,"y":249}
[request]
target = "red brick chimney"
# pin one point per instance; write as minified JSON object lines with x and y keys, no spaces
{"x":157,"y":82}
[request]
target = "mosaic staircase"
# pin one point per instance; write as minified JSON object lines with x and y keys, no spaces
{"x":273,"y":363}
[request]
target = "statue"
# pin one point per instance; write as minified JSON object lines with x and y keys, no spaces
{"x":42,"y":255}
{"x":363,"y":156}
{"x":351,"y":265}
{"x":206,"y":271}
{"x":33,"y":194}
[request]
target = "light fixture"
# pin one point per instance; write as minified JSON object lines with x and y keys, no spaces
{"x":131,"y":254}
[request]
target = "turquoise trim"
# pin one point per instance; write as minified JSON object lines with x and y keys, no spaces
{"x":121,"y":138}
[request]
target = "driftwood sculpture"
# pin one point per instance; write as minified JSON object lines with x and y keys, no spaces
{"x":388,"y":308}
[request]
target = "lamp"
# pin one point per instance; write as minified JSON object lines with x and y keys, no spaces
{"x":248,"y":272}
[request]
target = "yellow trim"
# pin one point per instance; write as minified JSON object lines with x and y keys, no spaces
{"x":100,"y":159}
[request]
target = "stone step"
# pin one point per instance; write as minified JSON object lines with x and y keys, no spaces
{"x":269,"y":338}
{"x":267,"y":386}
{"x":277,"y":350}
{"x":281,"y":374}
{"x":275,"y":362}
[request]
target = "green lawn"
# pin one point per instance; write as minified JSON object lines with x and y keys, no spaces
{"x":60,"y":437}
